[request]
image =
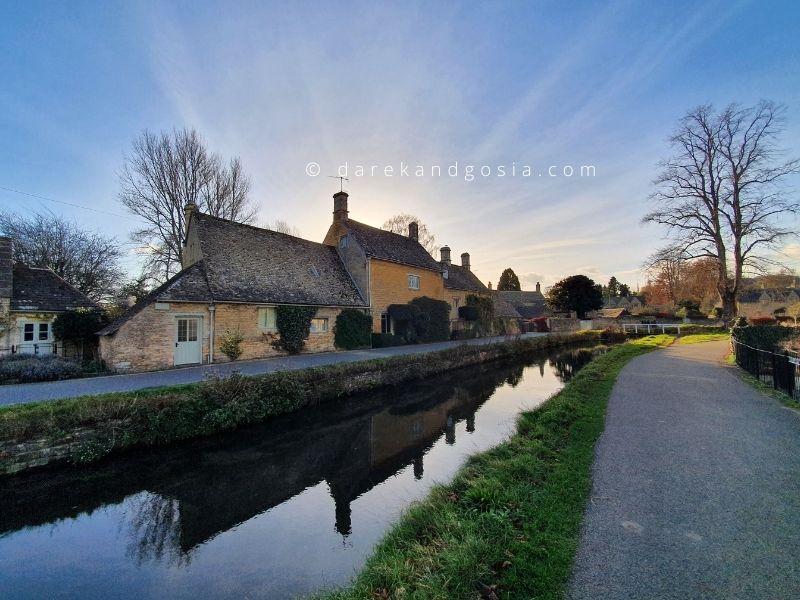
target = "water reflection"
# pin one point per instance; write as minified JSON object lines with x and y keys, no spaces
{"x":170,"y":502}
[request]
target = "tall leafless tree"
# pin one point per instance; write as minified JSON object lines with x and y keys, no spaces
{"x":722,"y":194}
{"x":87,"y":260}
{"x":163,"y":174}
{"x":399,"y":224}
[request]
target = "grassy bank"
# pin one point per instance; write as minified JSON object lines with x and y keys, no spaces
{"x":507,"y":526}
{"x":698,"y":338}
{"x":85,"y":429}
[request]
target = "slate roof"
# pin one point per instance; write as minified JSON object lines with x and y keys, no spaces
{"x":612,"y":313}
{"x":393,"y":247}
{"x":774,"y":295}
{"x":503,"y":308}
{"x":530,"y":305}
{"x":39,"y":289}
{"x":460,"y":278}
{"x":246,"y":264}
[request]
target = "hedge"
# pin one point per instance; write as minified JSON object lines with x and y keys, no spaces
{"x":353,"y":329}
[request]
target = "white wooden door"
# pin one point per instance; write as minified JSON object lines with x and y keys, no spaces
{"x":35,"y":337}
{"x":188,"y":341}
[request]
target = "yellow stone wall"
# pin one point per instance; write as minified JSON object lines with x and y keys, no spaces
{"x":389,"y":285}
{"x":147,"y":340}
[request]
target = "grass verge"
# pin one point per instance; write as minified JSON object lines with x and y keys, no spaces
{"x":770,"y":391}
{"x":508,"y":524}
{"x":82,"y":430}
{"x":699,"y":338}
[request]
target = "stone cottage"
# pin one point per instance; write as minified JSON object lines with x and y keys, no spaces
{"x":233,"y":278}
{"x":459,"y":281}
{"x":387,"y":268}
{"x":30,"y":300}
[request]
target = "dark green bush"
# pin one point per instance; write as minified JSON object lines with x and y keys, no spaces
{"x":385,"y":340}
{"x":353,"y":329}
{"x":469,"y":313}
{"x":766,"y":337}
{"x":79,"y":327}
{"x":485,"y":308}
{"x":294,"y":325}
{"x":433,"y":324}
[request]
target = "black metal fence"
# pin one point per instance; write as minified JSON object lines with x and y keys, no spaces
{"x":780,"y":370}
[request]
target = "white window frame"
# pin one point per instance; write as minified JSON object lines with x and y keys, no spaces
{"x":343,"y":241}
{"x":263,"y":321}
{"x":324,"y":327}
{"x":413,"y":277}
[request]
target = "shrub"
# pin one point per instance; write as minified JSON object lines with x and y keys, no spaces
{"x":485,"y":308}
{"x":79,"y":327}
{"x":433,"y":324}
{"x":26,"y":368}
{"x":767,"y":337}
{"x":294,"y":324}
{"x":353,"y":329}
{"x":469,"y":313}
{"x":761,"y":321}
{"x":385,"y":340}
{"x":231,"y":344}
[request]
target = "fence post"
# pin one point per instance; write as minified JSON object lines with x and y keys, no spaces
{"x":774,"y":370}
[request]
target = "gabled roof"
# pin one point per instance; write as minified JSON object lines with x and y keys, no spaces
{"x":612,"y":313}
{"x":246,"y":264}
{"x":461,"y":278}
{"x":772,"y":294}
{"x":529,"y":305}
{"x":503,"y":308}
{"x":393,"y":247}
{"x":39,"y":289}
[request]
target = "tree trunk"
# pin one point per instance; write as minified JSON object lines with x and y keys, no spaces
{"x":729,"y":308}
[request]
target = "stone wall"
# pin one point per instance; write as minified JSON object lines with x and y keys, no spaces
{"x":147,"y":340}
{"x":562,"y":324}
{"x":389,"y":283}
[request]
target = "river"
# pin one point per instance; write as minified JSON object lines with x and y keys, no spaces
{"x":273,"y":511}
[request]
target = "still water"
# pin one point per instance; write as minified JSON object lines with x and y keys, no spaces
{"x":273,"y":511}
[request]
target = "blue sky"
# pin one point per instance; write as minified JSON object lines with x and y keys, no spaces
{"x":281,"y":85}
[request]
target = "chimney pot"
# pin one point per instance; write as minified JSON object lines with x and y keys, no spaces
{"x":538,"y":288}
{"x":489,"y":286}
{"x":465,"y":260}
{"x":445,"y":252}
{"x":413,"y":231}
{"x":340,"y":206}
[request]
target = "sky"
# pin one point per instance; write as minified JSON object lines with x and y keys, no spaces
{"x":286,"y":86}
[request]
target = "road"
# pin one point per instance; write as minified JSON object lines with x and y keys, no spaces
{"x":53,"y":390}
{"x":696,"y":486}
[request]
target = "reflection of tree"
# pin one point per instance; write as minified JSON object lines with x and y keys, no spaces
{"x":515,"y":375}
{"x":566,"y":365}
{"x":154,"y":529}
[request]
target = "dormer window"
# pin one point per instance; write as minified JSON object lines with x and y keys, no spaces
{"x":445,"y":274}
{"x":343,"y":242}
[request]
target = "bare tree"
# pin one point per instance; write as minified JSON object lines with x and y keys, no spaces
{"x":166,"y":172}
{"x":399,"y":224}
{"x":284,"y":227}
{"x":87,"y":260}
{"x":667,"y":268}
{"x":722,"y":196}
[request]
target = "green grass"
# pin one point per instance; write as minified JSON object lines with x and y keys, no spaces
{"x":508,"y":524}
{"x":704,"y":337}
{"x":781,"y":397}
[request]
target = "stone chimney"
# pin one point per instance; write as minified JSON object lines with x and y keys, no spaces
{"x":188,"y":211}
{"x":413,"y":231}
{"x":6,"y":266}
{"x":340,"y":206}
{"x":490,"y":286}
{"x":445,"y":252}
{"x":465,"y":260}
{"x":538,"y":288}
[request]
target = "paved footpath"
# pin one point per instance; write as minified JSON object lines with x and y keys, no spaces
{"x":53,"y":390}
{"x":696,"y":486}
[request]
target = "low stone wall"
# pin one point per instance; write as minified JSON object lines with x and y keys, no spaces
{"x":563,"y":325}
{"x":76,"y":432}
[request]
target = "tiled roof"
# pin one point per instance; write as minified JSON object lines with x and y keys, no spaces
{"x":35,"y":288}
{"x":247,"y":264}
{"x":190,"y":285}
{"x":787,"y":295}
{"x":529,"y":305}
{"x":503,"y":308}
{"x":460,"y":278}
{"x":393,"y":247}
{"x":250,"y":264}
{"x":612,"y":313}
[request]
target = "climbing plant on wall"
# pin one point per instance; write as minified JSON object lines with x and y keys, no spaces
{"x":294,"y":324}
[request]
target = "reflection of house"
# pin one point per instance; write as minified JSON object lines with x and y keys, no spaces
{"x":459,"y":281}
{"x":30,"y":299}
{"x":387,"y":268}
{"x":764,"y":302}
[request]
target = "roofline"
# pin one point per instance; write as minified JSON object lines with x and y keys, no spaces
{"x":405,"y":264}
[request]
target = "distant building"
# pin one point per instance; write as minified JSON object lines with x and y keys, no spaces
{"x":764,"y":302}
{"x":459,"y":281}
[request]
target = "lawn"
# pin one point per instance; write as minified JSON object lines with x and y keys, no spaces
{"x":704,"y":337}
{"x":508,"y":524}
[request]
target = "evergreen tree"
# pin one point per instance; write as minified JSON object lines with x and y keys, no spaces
{"x":509,"y":282}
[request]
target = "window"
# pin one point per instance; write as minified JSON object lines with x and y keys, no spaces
{"x":413,"y":282}
{"x":343,"y":242}
{"x":44,"y":332}
{"x":445,"y":274}
{"x":319,"y":325}
{"x":27,"y":335}
{"x":187,"y":330}
{"x":386,"y":323}
{"x":267,"y":318}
